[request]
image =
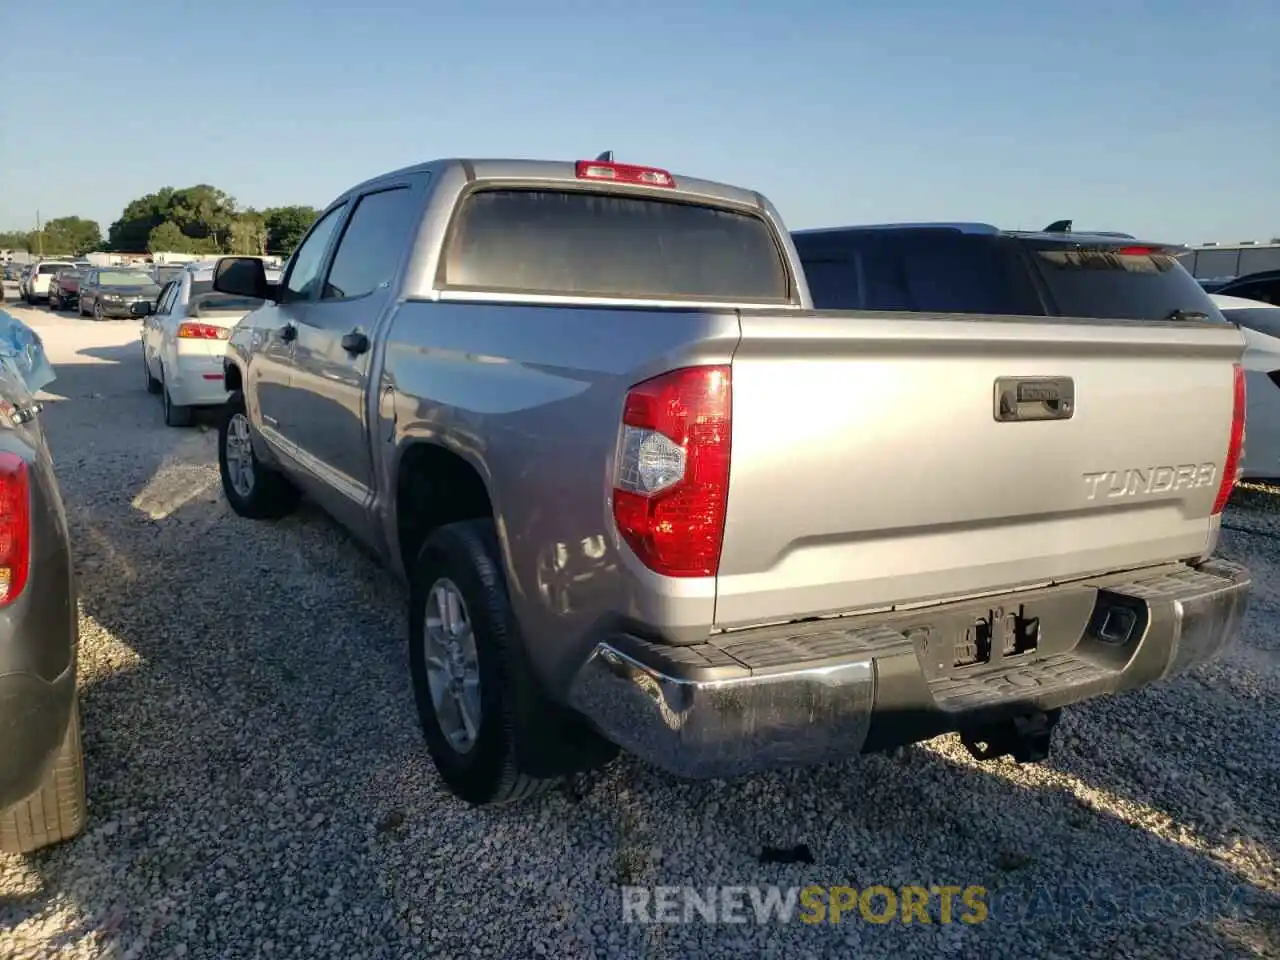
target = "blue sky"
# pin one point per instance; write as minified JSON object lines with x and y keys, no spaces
{"x":1157,"y":118}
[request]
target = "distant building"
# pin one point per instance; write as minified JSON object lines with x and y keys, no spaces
{"x":1222,"y":261}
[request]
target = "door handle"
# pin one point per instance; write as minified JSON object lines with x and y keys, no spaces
{"x":355,"y":342}
{"x":288,"y":333}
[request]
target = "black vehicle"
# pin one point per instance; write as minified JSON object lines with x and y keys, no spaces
{"x":978,"y":268}
{"x":42,"y":798}
{"x":112,"y":291}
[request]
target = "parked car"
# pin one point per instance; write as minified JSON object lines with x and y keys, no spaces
{"x":1260,"y":322}
{"x":23,"y":277}
{"x":64,"y":290}
{"x":646,"y":496}
{"x":112,"y":291}
{"x":42,"y":798}
{"x":184,"y":340}
{"x":42,"y":273}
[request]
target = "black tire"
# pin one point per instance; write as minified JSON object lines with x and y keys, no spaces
{"x":54,"y":304}
{"x":98,"y":315}
{"x":154,"y":387}
{"x":58,"y":809}
{"x":174,"y":416}
{"x":271,"y":495}
{"x":512,"y":707}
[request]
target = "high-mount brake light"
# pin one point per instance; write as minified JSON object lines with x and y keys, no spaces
{"x":1137,"y":251}
{"x":1235,"y":444}
{"x":202,"y":331}
{"x":15,"y":526}
{"x":671,"y":479}
{"x":623,"y":173}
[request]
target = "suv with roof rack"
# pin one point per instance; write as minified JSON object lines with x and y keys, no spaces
{"x":978,"y":268}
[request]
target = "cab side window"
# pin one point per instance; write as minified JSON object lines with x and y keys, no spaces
{"x":372,"y":245}
{"x":304,"y":270}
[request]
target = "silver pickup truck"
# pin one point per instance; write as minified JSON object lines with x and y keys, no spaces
{"x":646,"y":496}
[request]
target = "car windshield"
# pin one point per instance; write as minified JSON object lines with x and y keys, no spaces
{"x":205,"y":300}
{"x":124,"y":278}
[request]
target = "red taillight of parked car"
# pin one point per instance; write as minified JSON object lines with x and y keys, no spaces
{"x":15,"y":526}
{"x":202,"y":331}
{"x":671,"y":481}
{"x":1235,"y":444}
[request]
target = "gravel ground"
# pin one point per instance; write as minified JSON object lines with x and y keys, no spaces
{"x":258,"y":786}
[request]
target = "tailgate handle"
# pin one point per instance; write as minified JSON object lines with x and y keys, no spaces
{"x":1022,"y":399}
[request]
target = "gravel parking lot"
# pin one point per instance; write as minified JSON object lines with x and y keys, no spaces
{"x":258,"y":786}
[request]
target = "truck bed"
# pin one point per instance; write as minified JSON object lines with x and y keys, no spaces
{"x":870,"y":469}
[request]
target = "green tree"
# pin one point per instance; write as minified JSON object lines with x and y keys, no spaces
{"x":168,"y":238}
{"x":15,"y":240}
{"x":73,"y":235}
{"x":132,"y":232}
{"x":248,"y":234}
{"x":286,"y":227}
{"x":203,"y":212}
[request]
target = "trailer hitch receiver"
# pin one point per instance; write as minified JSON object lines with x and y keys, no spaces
{"x":1025,"y":737}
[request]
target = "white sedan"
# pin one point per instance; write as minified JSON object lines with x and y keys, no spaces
{"x":184,"y":338}
{"x":1260,"y":323}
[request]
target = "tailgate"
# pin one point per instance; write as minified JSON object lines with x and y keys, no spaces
{"x":869,"y":468}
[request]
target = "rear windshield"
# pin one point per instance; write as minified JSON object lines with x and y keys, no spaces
{"x":223,"y":302}
{"x":943,"y":271}
{"x":578,"y":243}
{"x":1108,"y":284}
{"x":46,"y":268}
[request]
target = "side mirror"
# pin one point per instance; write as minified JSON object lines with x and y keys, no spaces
{"x":243,"y":277}
{"x":143,"y":308}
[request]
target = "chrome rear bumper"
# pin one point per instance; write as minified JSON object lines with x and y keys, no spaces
{"x":822,"y":691}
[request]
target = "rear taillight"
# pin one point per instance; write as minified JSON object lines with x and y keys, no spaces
{"x":672,"y":470}
{"x":15,"y":526}
{"x":202,"y":331}
{"x":1235,"y":445}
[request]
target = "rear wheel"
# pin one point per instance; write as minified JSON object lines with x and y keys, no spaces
{"x":475,"y":694}
{"x":174,"y":414}
{"x":57,"y":810}
{"x":252,"y":488}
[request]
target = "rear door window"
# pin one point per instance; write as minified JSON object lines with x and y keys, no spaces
{"x":589,"y":244}
{"x":1110,"y":283}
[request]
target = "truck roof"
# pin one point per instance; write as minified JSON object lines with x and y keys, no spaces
{"x":1099,"y":237}
{"x":562,"y":171}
